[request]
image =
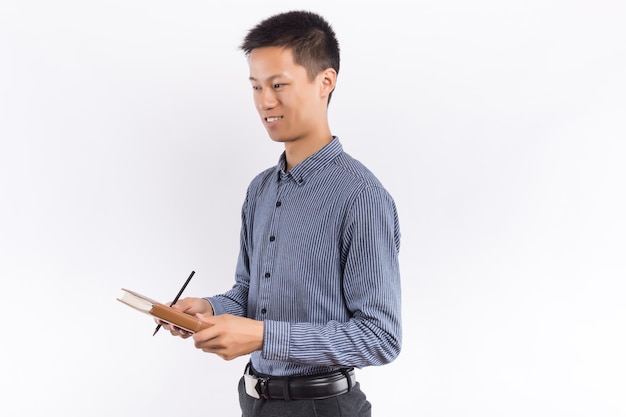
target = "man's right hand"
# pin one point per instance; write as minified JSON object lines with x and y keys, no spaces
{"x":191,"y":306}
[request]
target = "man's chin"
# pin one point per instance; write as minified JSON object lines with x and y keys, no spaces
{"x":277,"y":138}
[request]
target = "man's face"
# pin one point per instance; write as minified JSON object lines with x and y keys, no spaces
{"x":292,"y":106}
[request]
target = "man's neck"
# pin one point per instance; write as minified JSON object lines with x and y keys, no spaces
{"x":299,"y":150}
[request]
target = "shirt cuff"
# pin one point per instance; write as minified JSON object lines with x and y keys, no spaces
{"x":276,"y":340}
{"x":218,"y":307}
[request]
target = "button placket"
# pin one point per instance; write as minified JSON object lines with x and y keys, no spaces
{"x":270,"y":254}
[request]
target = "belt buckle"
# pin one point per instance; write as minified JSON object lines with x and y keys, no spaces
{"x":261,"y":387}
{"x":255,"y":387}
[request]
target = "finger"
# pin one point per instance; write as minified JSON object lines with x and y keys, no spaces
{"x":176,"y":331}
{"x":182,"y":333}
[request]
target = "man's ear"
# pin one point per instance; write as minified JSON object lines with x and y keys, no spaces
{"x":328,"y":79}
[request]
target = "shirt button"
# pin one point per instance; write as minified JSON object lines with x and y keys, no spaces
{"x":278,"y":204}
{"x":267,"y":275}
{"x":272,"y":238}
{"x":263,"y":311}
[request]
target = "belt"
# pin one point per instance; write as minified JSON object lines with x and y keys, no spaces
{"x":309,"y":387}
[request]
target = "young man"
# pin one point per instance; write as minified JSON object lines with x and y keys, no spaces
{"x":317,"y":286}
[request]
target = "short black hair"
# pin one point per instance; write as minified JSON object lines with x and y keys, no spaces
{"x":310,"y":37}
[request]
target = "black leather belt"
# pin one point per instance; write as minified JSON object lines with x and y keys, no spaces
{"x":310,"y":387}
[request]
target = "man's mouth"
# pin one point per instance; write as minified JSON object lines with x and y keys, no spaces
{"x":273,"y":119}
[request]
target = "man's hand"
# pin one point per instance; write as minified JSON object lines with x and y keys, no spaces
{"x":191,"y":306}
{"x":229,"y":336}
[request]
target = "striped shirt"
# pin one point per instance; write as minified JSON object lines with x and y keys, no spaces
{"x":318,"y":264}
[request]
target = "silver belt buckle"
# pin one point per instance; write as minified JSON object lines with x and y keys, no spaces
{"x":250,"y":382}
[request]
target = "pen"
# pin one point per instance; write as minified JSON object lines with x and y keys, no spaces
{"x":176,"y":298}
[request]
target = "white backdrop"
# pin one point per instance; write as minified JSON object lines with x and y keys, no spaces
{"x":128,"y":137}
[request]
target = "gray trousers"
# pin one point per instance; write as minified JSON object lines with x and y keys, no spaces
{"x":350,"y":404}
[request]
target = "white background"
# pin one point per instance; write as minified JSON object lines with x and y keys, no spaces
{"x":128,"y":137}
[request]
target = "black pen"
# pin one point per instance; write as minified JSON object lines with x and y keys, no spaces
{"x":176,"y":298}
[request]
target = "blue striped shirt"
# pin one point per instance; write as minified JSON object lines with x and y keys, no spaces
{"x":318,"y":264}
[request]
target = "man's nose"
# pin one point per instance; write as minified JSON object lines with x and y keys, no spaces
{"x":267,"y":99}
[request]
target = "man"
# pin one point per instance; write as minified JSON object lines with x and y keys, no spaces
{"x":317,"y":286}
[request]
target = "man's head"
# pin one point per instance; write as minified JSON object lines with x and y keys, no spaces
{"x":311,"y":39}
{"x":293,"y":59}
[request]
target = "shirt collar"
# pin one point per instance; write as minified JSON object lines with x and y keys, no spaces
{"x":307,"y":168}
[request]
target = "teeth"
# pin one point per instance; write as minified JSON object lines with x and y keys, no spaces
{"x":272,"y":119}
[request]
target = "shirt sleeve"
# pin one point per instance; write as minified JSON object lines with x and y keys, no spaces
{"x":235,"y":300}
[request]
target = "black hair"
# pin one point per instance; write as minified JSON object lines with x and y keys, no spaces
{"x":310,"y":37}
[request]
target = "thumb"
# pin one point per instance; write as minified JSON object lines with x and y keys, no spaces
{"x":205,"y":319}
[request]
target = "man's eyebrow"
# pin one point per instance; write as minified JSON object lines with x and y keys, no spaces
{"x":271,"y":77}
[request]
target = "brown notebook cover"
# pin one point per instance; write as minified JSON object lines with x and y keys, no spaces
{"x":161,"y":311}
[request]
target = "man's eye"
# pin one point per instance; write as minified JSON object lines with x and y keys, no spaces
{"x":277,"y":85}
